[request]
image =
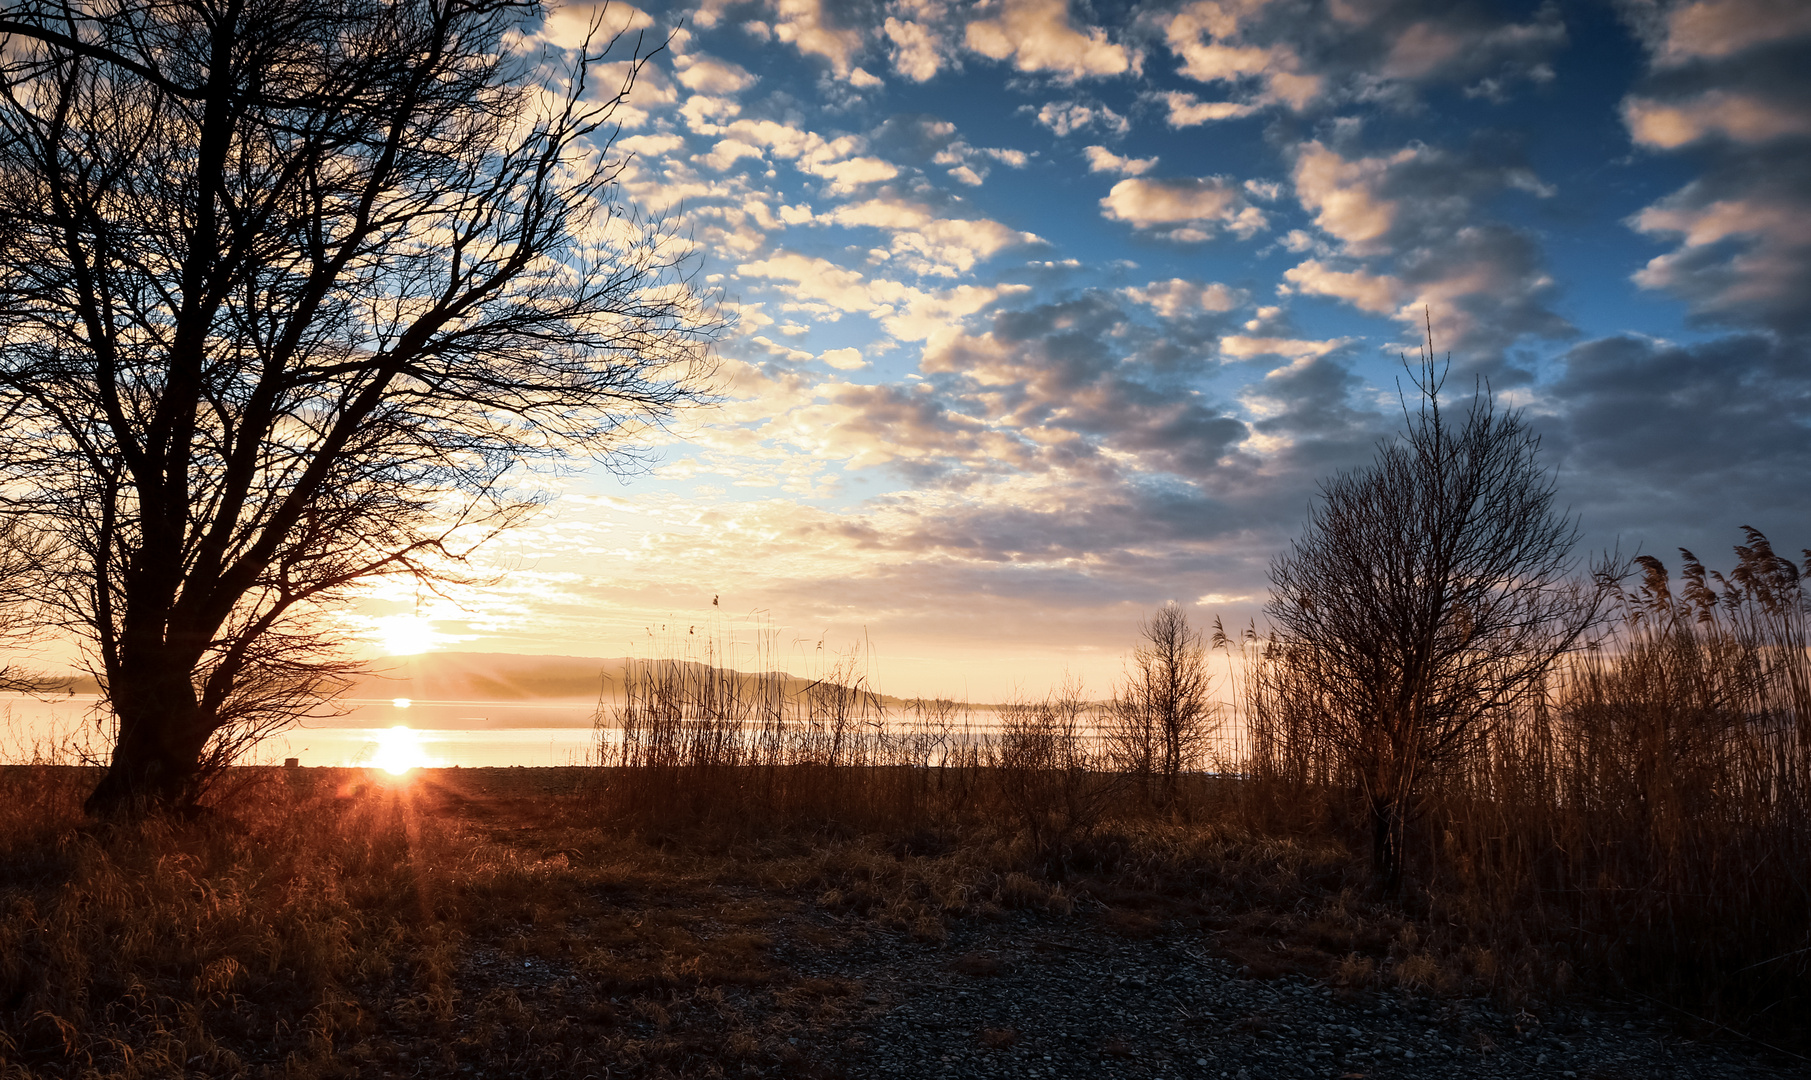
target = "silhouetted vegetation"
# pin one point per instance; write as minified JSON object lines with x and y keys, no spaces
{"x":291,"y":290}
{"x":1639,"y":823}
{"x":1429,"y":595}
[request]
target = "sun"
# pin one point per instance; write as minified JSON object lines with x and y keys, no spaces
{"x":406,"y":635}
{"x":399,"y":750}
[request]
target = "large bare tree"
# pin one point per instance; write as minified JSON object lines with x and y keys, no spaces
{"x":1429,"y":592}
{"x":288,"y":291}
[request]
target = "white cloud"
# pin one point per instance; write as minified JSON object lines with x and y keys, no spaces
{"x":1376,"y":293}
{"x":1101,"y":159}
{"x":907,"y":313}
{"x":1196,"y":207}
{"x":1185,"y":110}
{"x":1176,"y":298}
{"x":568,"y":26}
{"x":1240,"y":347}
{"x":815,"y":278}
{"x":1715,"y":29}
{"x":943,"y":245}
{"x":708,"y":75}
{"x":1344,"y":194}
{"x":844,"y":359}
{"x":1774,"y":232}
{"x":1738,"y":117}
{"x":649,"y":145}
{"x":727,"y":151}
{"x":846,"y":176}
{"x":807,"y":26}
{"x":1067,"y":117}
{"x":1199,"y":35}
{"x":1036,"y":35}
{"x":917,"y":51}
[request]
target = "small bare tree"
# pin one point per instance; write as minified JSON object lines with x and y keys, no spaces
{"x":1160,"y":719}
{"x":1429,"y":593}
{"x":24,"y":555}
{"x":289,"y":290}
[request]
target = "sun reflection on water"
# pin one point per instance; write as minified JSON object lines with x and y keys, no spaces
{"x":399,"y":750}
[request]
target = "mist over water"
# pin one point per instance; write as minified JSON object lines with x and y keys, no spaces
{"x":466,"y":733}
{"x":469,"y":734}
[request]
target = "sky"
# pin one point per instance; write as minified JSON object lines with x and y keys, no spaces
{"x":1044,"y":314}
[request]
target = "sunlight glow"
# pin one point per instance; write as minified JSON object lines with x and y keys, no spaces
{"x":402,"y":702}
{"x":407,"y":635}
{"x":399,"y":750}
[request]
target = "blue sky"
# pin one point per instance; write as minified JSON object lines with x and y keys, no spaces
{"x":1046,"y":313}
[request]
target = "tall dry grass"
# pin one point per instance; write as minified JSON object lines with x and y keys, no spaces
{"x":168,"y":948}
{"x":1644,"y":821}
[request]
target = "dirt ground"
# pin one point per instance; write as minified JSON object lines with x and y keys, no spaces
{"x":504,"y":930}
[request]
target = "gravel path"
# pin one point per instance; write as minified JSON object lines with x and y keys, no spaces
{"x":1026,"y":999}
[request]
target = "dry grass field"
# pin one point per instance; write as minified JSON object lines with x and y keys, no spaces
{"x":1639,"y":830}
{"x":543,"y":922}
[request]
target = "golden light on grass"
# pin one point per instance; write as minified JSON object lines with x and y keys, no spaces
{"x":399,"y":750}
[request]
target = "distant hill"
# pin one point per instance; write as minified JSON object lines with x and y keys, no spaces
{"x":473,"y":676}
{"x":464,"y":676}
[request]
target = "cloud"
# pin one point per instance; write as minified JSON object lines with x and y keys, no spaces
{"x":1101,"y":159}
{"x":1411,"y":221}
{"x":1205,"y":35}
{"x":1194,"y":207}
{"x":840,"y":160}
{"x":708,"y":75}
{"x":918,"y":50}
{"x":1744,"y":248}
{"x":1738,"y":117}
{"x":816,"y":278}
{"x":1176,"y":298}
{"x":811,"y":27}
{"x":844,"y":359}
{"x":1068,"y":117}
{"x":1037,"y":35}
{"x":1379,"y":294}
{"x":944,"y":246}
{"x":1065,"y":378}
{"x":1185,"y":110}
{"x":1240,"y":347}
{"x":1722,"y":29}
{"x":1345,"y":196}
{"x":1295,"y":56}
{"x":907,"y":313}
{"x":1677,"y":445}
{"x":568,"y":26}
{"x":1730,"y":79}
{"x":847,"y":175}
{"x":727,"y":152}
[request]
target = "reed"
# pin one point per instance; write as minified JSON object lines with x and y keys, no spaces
{"x":1644,"y":821}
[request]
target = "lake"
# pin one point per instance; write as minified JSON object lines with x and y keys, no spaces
{"x":467,"y":733}
{"x":394,"y":733}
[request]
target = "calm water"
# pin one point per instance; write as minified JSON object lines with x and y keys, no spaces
{"x":469,"y":733}
{"x":435,"y":733}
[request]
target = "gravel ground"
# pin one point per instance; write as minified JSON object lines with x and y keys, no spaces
{"x":1027,"y":999}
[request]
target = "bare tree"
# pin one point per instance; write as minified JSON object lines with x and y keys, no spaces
{"x":289,"y":289}
{"x":1160,"y":719}
{"x":23,"y":556}
{"x":1429,"y":593}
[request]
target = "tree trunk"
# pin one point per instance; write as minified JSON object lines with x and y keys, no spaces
{"x":156,"y":763}
{"x":1387,"y":842}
